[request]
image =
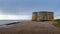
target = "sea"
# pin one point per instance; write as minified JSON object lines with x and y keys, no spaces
{"x":3,"y":22}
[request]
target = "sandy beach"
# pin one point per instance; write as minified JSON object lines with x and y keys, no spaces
{"x":31,"y":27}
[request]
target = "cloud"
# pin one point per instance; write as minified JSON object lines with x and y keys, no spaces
{"x":22,"y":16}
{"x":57,"y":14}
{"x":15,"y":17}
{"x":58,"y":17}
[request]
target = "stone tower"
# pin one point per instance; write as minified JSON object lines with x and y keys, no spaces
{"x":42,"y":16}
{"x":34,"y":16}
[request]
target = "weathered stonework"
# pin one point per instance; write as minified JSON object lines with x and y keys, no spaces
{"x":34,"y":16}
{"x":42,"y":16}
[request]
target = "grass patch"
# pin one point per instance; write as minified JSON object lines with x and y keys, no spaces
{"x":57,"y":24}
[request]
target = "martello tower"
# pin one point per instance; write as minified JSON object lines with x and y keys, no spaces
{"x":42,"y":16}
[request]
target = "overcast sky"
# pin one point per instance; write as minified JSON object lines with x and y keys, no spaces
{"x":22,"y":9}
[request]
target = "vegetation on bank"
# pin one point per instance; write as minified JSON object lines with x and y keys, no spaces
{"x":57,"y":24}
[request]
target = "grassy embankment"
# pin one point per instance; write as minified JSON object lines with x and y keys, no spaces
{"x":57,"y":24}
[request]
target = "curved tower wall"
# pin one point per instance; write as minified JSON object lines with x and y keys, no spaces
{"x":43,"y":16}
{"x":51,"y":16}
{"x":34,"y":16}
